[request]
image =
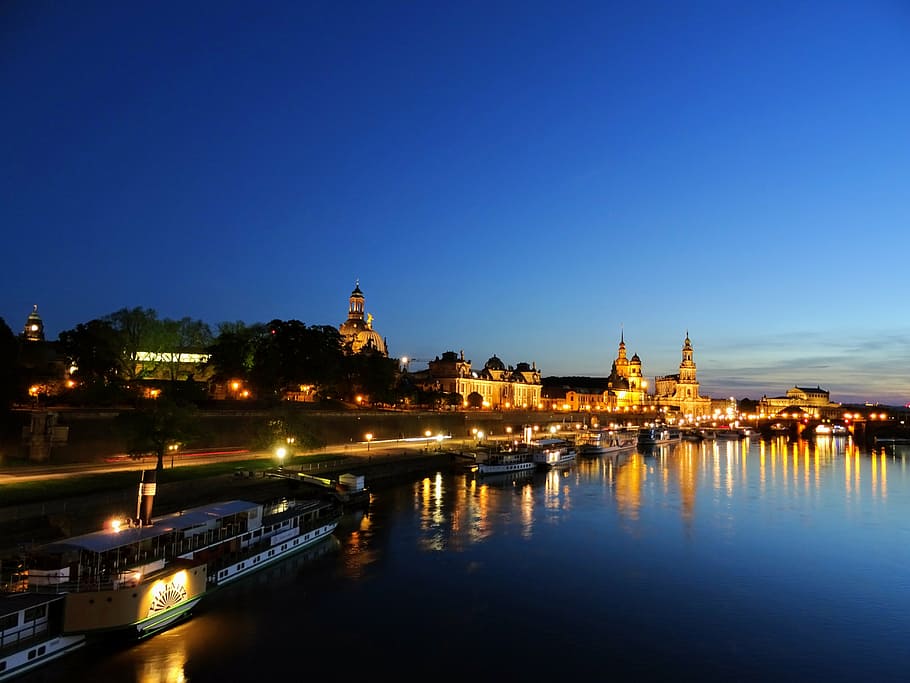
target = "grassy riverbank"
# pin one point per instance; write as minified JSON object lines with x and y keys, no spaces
{"x":80,"y":485}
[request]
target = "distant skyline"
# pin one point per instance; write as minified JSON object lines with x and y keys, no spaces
{"x":529,"y":180}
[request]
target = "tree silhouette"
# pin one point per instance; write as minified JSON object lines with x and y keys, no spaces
{"x":156,"y":424}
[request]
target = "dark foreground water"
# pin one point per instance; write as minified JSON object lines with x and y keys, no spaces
{"x":715,"y":562}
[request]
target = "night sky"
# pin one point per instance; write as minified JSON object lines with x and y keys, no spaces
{"x":522,"y":179}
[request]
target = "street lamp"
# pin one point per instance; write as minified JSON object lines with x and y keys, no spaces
{"x":428,"y":434}
{"x":281,"y":451}
{"x":369,"y":437}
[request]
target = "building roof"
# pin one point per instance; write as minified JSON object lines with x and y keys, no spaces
{"x":109,"y":539}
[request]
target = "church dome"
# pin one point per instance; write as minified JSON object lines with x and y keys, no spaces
{"x":635,"y":358}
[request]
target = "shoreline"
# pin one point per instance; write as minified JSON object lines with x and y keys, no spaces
{"x":51,"y":520}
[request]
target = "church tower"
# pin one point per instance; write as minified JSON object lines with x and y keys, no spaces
{"x":687,"y":386}
{"x":34,"y":327}
{"x":355,"y":309}
{"x":625,"y":385}
{"x":681,"y":390}
{"x":621,"y":365}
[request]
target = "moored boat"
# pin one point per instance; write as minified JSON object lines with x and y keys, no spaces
{"x":554,"y":452}
{"x":31,"y":632}
{"x":502,"y":461}
{"x":141,"y":578}
{"x":658,"y":435}
{"x":606,"y":441}
{"x":239,"y":537}
{"x":123,"y":584}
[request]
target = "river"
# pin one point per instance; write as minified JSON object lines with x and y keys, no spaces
{"x":715,"y":561}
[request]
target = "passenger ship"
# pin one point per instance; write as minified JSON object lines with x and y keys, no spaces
{"x":594,"y":442}
{"x":501,"y":462}
{"x":142,"y":578}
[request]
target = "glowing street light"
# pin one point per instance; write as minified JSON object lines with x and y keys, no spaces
{"x":369,"y":438}
{"x":173,"y":447}
{"x":281,"y":451}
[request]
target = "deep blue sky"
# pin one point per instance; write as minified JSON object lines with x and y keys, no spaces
{"x":525,"y":179}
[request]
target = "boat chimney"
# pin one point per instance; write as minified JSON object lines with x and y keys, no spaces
{"x":147,"y":487}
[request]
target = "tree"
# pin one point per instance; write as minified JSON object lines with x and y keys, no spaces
{"x":289,"y":428}
{"x":156,"y":424}
{"x":475,"y":400}
{"x":291,"y":354}
{"x":141,"y":332}
{"x":372,"y":374}
{"x":94,"y":349}
{"x":179,"y":339}
{"x":233,"y":352}
{"x":9,"y":376}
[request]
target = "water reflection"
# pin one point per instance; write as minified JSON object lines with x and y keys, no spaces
{"x":630,"y":479}
{"x":717,"y":472}
{"x":772,"y":555}
{"x":164,"y":665}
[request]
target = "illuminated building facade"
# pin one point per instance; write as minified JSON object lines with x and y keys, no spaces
{"x":626,"y":387}
{"x":625,"y":390}
{"x":680,"y":391}
{"x":813,"y":400}
{"x":495,"y":386}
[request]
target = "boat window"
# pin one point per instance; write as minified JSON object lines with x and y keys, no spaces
{"x":9,"y":621}
{"x":35,"y":612}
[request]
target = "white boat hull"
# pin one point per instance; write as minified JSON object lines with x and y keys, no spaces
{"x":38,"y":653}
{"x":503,"y":468}
{"x":271,"y":555}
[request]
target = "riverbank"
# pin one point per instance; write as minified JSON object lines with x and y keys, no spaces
{"x":32,"y":524}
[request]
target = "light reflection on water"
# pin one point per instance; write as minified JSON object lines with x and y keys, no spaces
{"x":720,"y":560}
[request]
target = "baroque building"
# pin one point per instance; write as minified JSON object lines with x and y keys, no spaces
{"x":679,"y":392}
{"x":813,"y":400}
{"x":626,"y":387}
{"x":495,"y":386}
{"x":357,"y":331}
{"x":626,"y":391}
